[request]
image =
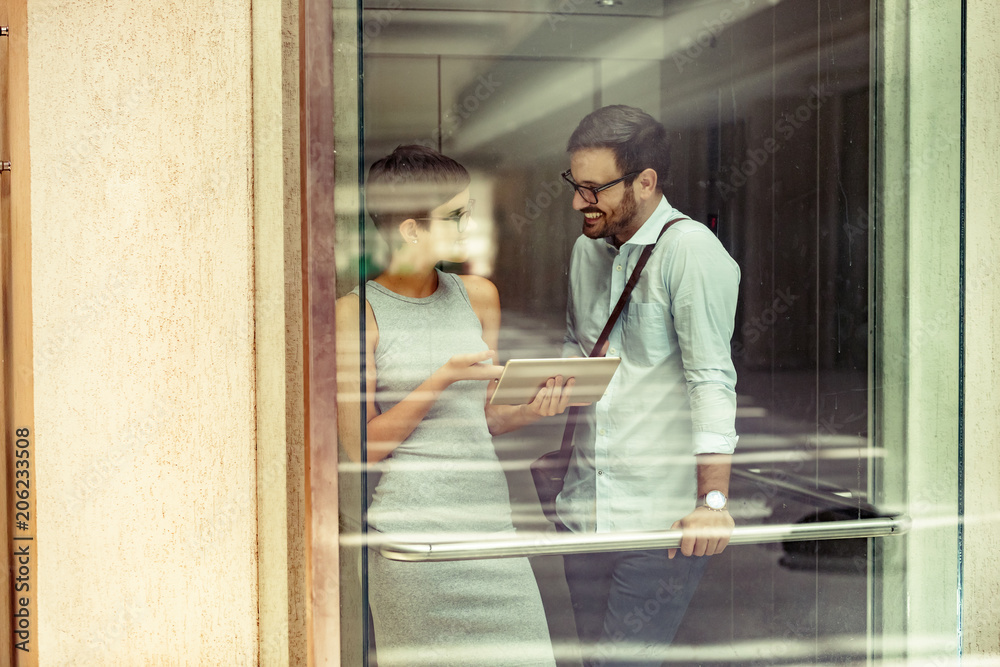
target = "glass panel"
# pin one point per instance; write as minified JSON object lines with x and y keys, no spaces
{"x":918,"y":209}
{"x":816,"y":142}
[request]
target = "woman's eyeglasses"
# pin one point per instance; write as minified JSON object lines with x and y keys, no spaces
{"x":461,"y":219}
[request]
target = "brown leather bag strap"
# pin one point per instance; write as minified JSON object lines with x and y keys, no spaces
{"x":633,"y":280}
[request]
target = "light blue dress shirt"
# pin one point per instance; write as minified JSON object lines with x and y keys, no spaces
{"x":674,"y":394}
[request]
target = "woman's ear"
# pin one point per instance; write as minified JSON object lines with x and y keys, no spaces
{"x":647,"y":183}
{"x":408,"y":230}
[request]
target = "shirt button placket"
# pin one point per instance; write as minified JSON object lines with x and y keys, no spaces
{"x":602,"y":480}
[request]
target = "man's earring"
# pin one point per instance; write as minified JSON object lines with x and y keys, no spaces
{"x":414,"y":241}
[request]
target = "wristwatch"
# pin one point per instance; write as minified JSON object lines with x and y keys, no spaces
{"x":714,"y":500}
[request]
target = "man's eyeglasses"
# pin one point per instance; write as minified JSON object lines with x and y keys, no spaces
{"x":589,"y":194}
{"x":461,"y":220}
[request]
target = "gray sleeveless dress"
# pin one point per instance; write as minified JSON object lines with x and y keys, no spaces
{"x":444,"y":478}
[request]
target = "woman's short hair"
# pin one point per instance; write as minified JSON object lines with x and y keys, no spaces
{"x":637,"y":140}
{"x":409,"y":183}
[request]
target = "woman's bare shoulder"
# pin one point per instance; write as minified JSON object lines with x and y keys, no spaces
{"x":347,"y":307}
{"x":347,"y":310}
{"x":481,"y":291}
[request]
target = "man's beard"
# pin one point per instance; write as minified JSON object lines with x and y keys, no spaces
{"x":623,"y":219}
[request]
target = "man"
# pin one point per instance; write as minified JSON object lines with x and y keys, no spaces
{"x":654,"y":453}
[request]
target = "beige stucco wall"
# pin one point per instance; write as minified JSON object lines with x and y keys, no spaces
{"x":982,"y":333}
{"x":143,"y":299}
{"x":142,"y":250}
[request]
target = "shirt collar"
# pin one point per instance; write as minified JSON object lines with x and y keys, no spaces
{"x":649,"y":231}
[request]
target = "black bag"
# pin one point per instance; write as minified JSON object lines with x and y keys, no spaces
{"x":549,"y":470}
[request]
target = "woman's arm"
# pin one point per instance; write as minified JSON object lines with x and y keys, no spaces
{"x":551,"y":400}
{"x":349,"y":351}
{"x":387,"y":430}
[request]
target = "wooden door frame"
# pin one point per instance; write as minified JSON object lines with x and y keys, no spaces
{"x":17,"y":418}
{"x":317,"y":162}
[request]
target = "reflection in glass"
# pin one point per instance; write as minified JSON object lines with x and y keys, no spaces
{"x":428,"y":353}
{"x":767,"y":106}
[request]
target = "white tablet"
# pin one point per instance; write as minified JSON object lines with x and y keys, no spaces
{"x":522,"y":378}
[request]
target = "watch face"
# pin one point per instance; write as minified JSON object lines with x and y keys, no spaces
{"x":716,"y":500}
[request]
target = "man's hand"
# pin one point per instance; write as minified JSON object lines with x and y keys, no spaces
{"x":552,"y":399}
{"x":706,"y":532}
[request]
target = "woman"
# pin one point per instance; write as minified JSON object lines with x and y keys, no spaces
{"x":430,"y":353}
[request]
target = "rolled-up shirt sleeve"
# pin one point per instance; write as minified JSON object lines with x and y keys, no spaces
{"x":703,"y":282}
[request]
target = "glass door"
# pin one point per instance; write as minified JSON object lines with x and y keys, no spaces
{"x":805,"y":139}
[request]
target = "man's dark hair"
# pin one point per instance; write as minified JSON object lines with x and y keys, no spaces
{"x":409,"y":183}
{"x":638,"y":141}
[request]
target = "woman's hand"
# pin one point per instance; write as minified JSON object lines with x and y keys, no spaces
{"x":470,"y":367}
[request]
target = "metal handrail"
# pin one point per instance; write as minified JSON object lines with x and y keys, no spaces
{"x":551,"y":543}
